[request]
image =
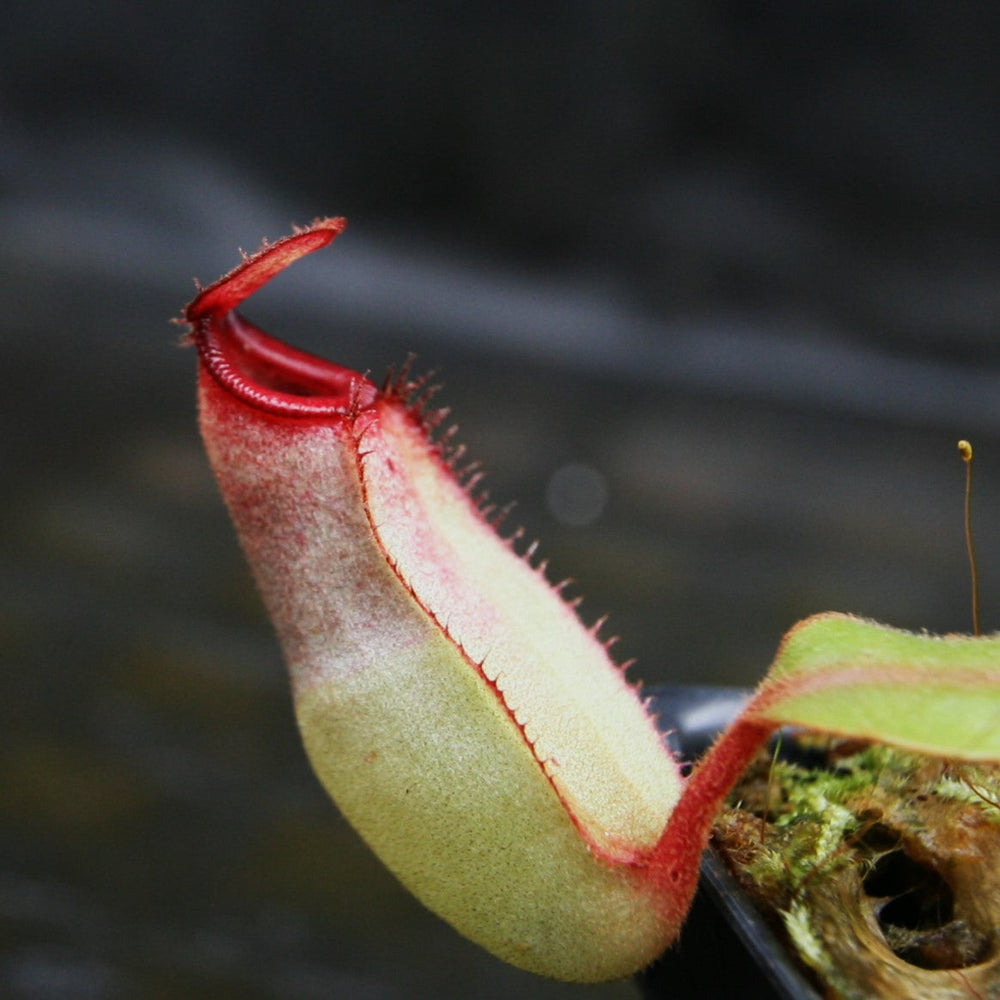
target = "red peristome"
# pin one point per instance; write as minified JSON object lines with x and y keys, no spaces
{"x":272,"y":376}
{"x":258,"y":369}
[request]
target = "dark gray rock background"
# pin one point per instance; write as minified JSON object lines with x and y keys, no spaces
{"x":740,"y":262}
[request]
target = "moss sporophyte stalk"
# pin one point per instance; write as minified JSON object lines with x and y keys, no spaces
{"x":476,"y":734}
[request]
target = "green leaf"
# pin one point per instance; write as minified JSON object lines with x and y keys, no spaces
{"x":934,"y":694}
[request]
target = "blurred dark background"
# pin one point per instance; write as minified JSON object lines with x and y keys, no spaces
{"x":713,"y":289}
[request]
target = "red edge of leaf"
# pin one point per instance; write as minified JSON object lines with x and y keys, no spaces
{"x":259,"y":370}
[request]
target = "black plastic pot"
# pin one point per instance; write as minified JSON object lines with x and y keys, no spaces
{"x":727,"y":949}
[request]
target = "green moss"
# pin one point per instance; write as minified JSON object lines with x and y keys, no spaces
{"x":879,"y":867}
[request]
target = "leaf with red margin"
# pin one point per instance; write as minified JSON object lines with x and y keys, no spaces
{"x":937,"y":695}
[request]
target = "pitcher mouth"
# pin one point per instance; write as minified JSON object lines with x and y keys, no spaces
{"x":259,"y":369}
{"x":273,"y":376}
